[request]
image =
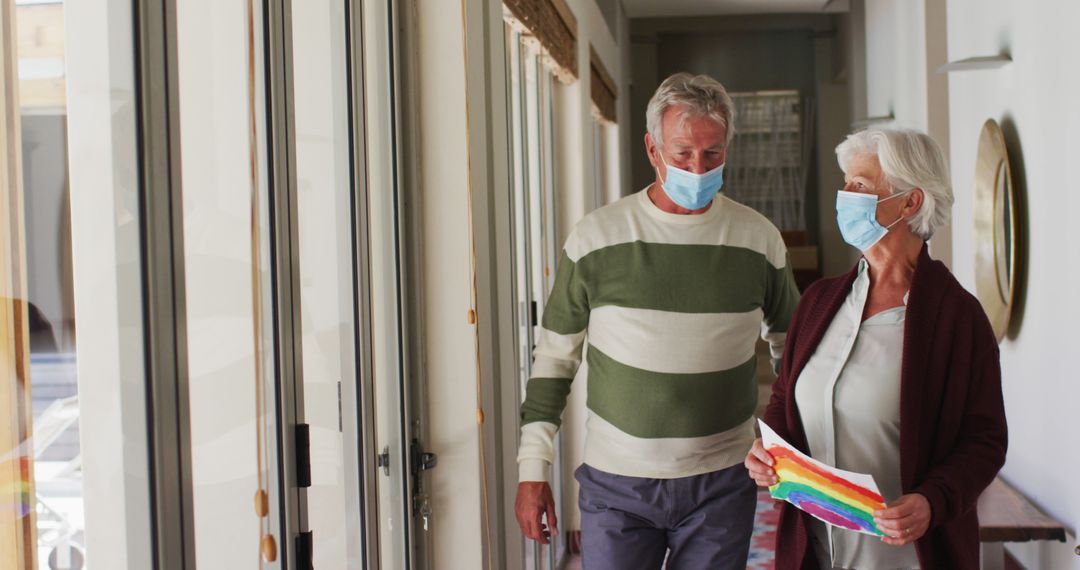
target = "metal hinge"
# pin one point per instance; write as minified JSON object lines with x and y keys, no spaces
{"x":303,"y":455}
{"x":305,"y":551}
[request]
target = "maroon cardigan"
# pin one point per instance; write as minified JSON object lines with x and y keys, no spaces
{"x":952,"y":419}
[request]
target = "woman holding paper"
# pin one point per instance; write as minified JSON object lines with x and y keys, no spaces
{"x":891,"y":370}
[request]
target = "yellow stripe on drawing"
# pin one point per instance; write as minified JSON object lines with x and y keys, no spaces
{"x":813,"y":480}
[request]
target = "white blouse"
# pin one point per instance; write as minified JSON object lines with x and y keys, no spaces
{"x":848,"y":397}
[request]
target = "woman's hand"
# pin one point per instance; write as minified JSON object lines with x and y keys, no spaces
{"x":759,"y":463}
{"x":905,"y":520}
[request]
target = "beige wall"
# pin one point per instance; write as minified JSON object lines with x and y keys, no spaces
{"x":575,"y":190}
{"x":834,"y":113}
{"x":449,"y":340}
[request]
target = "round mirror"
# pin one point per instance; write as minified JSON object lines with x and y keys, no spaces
{"x":1003,"y":231}
{"x":995,"y":228}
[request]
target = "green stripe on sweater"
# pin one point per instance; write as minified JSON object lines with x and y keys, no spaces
{"x":682,"y":278}
{"x":651,"y":405}
{"x":567,"y":310}
{"x":669,"y":277}
{"x":545,"y":399}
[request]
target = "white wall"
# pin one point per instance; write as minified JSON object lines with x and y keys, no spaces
{"x":905,"y":42}
{"x":612,"y":163}
{"x":1034,"y":98}
{"x":896,"y":61}
{"x":574,"y":165}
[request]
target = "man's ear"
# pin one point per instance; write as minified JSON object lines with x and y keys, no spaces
{"x":650,"y":149}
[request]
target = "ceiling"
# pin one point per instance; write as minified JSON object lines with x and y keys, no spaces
{"x":676,"y":8}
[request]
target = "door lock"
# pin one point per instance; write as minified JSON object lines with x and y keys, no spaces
{"x":420,"y":461}
{"x":383,"y":460}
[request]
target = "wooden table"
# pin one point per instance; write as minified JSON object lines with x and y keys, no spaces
{"x":1007,"y":516}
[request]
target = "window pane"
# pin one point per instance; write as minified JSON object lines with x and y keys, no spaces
{"x":389,"y":389}
{"x":227,"y":269}
{"x":72,"y":278}
{"x":326,"y":280}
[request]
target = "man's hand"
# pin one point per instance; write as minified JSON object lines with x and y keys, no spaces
{"x":534,"y":499}
{"x":905,"y":520}
{"x":759,"y":463}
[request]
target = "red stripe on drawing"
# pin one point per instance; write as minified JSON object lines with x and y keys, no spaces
{"x":778,"y":451}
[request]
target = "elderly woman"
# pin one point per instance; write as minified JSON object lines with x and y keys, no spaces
{"x":892,"y":370}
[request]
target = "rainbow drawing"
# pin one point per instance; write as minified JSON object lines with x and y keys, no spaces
{"x":840,"y":498}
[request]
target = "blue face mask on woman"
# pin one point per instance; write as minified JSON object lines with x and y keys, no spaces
{"x":856,"y":214}
{"x":689,"y":190}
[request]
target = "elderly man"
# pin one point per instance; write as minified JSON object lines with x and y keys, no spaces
{"x":671,"y":286}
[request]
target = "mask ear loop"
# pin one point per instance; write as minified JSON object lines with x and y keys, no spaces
{"x":894,"y":196}
{"x":889,"y":227}
{"x":663,"y":179}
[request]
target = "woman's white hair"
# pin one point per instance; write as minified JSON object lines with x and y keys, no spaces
{"x":701,"y":95}
{"x":909,"y":159}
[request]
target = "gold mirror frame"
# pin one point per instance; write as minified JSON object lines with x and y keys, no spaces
{"x":995,"y":228}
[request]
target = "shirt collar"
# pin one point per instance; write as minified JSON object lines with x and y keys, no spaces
{"x":862,"y":279}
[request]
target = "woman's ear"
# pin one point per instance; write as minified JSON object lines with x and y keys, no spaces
{"x":914,"y":202}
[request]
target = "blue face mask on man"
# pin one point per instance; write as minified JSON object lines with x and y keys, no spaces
{"x":689,"y":190}
{"x":856,"y":214}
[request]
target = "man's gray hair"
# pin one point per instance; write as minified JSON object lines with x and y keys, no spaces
{"x":701,"y":95}
{"x":909,"y":159}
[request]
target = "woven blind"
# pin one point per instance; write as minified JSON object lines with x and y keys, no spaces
{"x":553,"y":25}
{"x":603,"y":88}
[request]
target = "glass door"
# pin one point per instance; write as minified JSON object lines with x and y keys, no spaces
{"x":327,"y":296}
{"x":232,"y":321}
{"x":294,"y":283}
{"x":74,"y":469}
{"x":379,"y":192}
{"x":282,"y":161}
{"x":352,"y":392}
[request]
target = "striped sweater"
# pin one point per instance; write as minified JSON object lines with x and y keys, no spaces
{"x":672,"y":306}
